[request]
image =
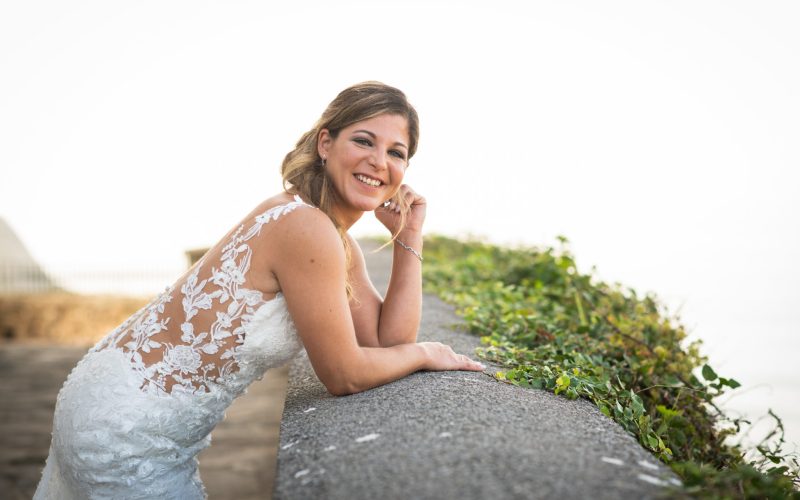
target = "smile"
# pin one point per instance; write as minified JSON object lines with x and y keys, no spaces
{"x":368,"y":181}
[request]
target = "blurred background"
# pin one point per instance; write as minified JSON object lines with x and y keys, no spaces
{"x":660,"y":137}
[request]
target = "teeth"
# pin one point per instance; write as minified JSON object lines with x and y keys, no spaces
{"x":367,"y":180}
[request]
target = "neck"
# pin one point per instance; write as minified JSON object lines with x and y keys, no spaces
{"x":346,"y":218}
{"x":342,"y":214}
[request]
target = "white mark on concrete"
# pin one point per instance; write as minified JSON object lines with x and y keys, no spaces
{"x":301,"y":473}
{"x":464,"y":379}
{"x":445,"y":435}
{"x":651,"y":479}
{"x":611,"y":460}
{"x":309,"y":410}
{"x":330,"y":448}
{"x":648,"y":465}
{"x":368,"y":437}
{"x":287,"y":446}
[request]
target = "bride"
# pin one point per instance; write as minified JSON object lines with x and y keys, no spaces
{"x":138,"y":408}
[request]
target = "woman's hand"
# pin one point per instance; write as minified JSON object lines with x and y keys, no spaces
{"x":390,"y":215}
{"x":441,"y":357}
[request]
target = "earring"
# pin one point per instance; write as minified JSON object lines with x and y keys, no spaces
{"x":323,"y":161}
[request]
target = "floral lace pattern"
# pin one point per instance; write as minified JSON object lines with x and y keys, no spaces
{"x":136,"y":411}
{"x":215,"y":312}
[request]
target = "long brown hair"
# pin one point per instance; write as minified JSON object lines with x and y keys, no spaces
{"x":302,"y":170}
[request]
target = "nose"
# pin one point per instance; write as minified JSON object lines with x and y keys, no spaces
{"x":380,"y":159}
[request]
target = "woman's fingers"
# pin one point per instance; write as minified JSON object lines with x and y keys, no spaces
{"x":411,"y":198}
{"x":407,"y":195}
{"x":444,"y":358}
{"x":470,"y":364}
{"x":405,"y":200}
{"x":464,"y":362}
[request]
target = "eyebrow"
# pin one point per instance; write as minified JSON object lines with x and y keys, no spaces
{"x":398,"y":143}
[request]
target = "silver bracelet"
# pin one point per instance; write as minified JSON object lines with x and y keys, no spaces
{"x":416,"y":254}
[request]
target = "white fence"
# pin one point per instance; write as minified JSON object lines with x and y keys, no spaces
{"x":131,"y":281}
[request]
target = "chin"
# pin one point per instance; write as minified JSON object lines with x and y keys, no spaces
{"x":366,"y":204}
{"x":368,"y":207}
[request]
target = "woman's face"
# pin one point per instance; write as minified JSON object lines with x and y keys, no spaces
{"x":366,"y":162}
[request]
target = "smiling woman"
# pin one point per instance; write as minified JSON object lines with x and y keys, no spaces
{"x":368,"y":165}
{"x":139,"y":407}
{"x":319,"y":163}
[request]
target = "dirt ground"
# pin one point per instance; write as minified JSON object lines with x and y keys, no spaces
{"x":240,"y":464}
{"x":63,"y":318}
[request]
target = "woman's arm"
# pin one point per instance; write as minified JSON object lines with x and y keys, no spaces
{"x":394,"y":320}
{"x":402,"y":307}
{"x":309,"y":262}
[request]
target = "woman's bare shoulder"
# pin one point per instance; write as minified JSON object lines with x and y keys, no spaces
{"x":279,"y":199}
{"x":297,"y":230}
{"x":307,"y":251}
{"x":307,"y":229}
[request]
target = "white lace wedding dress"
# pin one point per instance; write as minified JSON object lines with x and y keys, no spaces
{"x":138,"y":408}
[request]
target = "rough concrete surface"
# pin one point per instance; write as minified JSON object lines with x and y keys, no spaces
{"x":239,"y":465}
{"x":453,"y":435}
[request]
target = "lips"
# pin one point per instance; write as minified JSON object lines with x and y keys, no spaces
{"x":369,"y":181}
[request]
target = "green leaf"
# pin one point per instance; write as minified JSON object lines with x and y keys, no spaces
{"x":709,"y":373}
{"x":733,"y":384}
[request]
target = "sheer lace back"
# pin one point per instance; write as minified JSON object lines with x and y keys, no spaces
{"x":194,"y":343}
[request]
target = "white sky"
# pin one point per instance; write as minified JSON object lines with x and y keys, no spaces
{"x":660,"y":137}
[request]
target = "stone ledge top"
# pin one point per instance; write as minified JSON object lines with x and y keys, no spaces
{"x":453,"y":435}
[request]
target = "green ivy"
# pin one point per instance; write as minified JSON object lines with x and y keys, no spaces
{"x":556,"y":329}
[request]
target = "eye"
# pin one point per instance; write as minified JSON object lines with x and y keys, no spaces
{"x":363,"y":141}
{"x":397,"y":154}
